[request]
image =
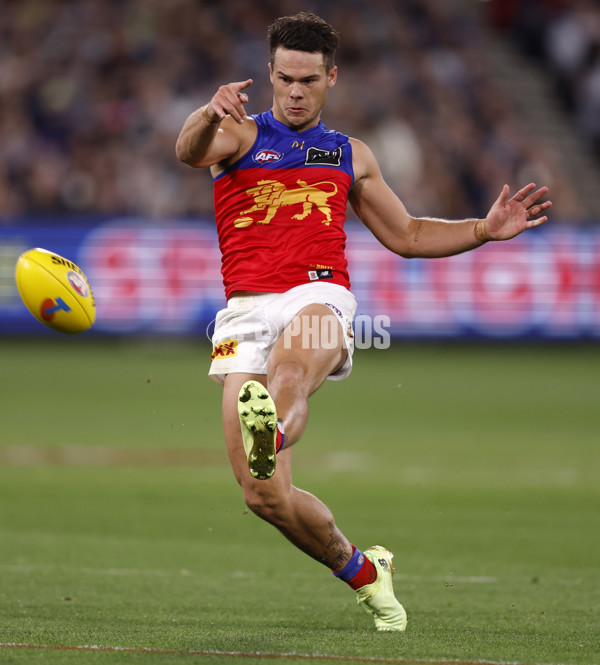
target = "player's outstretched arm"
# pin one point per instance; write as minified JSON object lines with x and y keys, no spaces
{"x":214,"y":132}
{"x":385,"y":215}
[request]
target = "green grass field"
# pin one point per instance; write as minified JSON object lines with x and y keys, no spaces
{"x":121,"y":524}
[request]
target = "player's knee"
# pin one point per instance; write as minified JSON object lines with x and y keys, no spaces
{"x":286,"y":375}
{"x":265,"y":501}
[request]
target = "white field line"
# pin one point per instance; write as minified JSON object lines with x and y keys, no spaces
{"x":253,"y":655}
{"x":28,"y":569}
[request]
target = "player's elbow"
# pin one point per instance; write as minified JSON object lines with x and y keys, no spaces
{"x":395,"y":236}
{"x":406,"y":252}
{"x":407,"y":241}
{"x":401,"y":246}
{"x":183,"y":154}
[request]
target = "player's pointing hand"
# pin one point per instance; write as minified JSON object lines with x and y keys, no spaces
{"x":229,"y":100}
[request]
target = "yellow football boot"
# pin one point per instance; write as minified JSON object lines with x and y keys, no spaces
{"x":258,"y":420}
{"x":378,"y":598}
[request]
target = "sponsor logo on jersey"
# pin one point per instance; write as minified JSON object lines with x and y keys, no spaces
{"x":328,"y":157}
{"x":320,"y":274}
{"x":267,"y":156}
{"x":226,"y":349}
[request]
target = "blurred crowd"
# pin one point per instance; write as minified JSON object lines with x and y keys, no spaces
{"x":564,"y":36}
{"x":93,"y":94}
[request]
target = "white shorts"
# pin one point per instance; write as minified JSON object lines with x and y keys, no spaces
{"x":247,"y":329}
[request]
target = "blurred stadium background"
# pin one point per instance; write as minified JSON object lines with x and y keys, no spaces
{"x":120,"y":522}
{"x":454,"y":98}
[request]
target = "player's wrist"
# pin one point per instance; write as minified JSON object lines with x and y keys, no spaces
{"x":211,"y":120}
{"x":480,"y":231}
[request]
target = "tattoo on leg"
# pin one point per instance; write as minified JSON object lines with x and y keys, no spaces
{"x":335,"y":555}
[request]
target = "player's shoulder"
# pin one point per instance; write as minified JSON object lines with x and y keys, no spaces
{"x":249,"y":131}
{"x":363,"y":159}
{"x":243,"y":135}
{"x":360,"y":148}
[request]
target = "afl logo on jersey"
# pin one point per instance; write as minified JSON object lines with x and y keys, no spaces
{"x":267,"y":156}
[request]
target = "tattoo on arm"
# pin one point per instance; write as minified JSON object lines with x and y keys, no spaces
{"x":416,"y":236}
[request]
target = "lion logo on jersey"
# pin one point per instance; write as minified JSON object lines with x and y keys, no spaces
{"x":270,"y":195}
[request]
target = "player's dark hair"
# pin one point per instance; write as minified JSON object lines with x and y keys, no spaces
{"x":304,"y":32}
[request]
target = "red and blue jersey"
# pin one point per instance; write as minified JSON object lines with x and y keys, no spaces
{"x":281,"y":208}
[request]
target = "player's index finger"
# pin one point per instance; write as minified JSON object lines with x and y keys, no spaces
{"x":242,"y":85}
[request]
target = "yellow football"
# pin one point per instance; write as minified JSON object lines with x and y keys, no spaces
{"x":55,"y":291}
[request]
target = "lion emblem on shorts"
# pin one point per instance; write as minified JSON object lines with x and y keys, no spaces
{"x":270,"y":195}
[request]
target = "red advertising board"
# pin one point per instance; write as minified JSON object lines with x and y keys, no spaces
{"x":166,"y":279}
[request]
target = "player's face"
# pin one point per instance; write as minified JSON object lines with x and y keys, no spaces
{"x":300,"y":83}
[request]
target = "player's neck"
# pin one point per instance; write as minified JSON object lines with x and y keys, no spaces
{"x":303,"y":127}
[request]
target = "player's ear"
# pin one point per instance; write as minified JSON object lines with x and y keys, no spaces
{"x":332,"y":77}
{"x":271,"y":72}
